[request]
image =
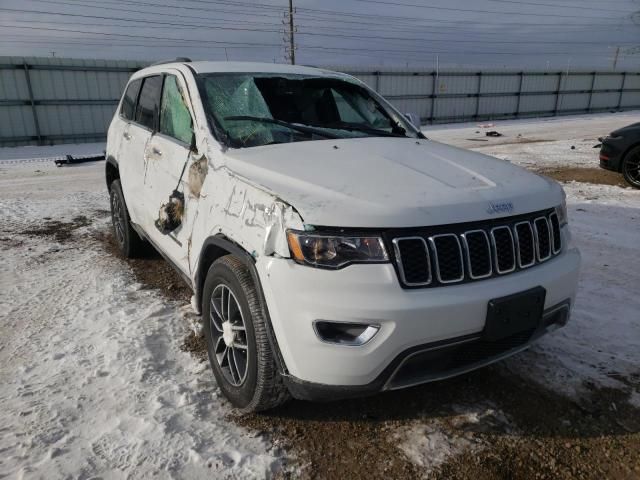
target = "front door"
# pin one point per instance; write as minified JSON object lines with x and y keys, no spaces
{"x":169,"y":157}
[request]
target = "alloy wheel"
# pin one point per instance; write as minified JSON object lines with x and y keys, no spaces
{"x":229,"y":334}
{"x":632,"y":169}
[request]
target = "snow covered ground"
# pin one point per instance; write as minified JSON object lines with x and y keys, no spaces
{"x":93,"y":380}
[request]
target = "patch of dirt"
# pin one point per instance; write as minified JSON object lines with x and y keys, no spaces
{"x":9,"y":242}
{"x":151,"y":270}
{"x":196,"y":345}
{"x":61,"y":231}
{"x":550,"y":436}
{"x":597,"y":176}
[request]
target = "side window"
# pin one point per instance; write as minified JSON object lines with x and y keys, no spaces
{"x":129,"y":100}
{"x":347,"y":112}
{"x":149,"y":102}
{"x":175,"y":119}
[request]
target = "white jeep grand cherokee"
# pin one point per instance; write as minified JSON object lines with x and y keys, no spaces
{"x":332,"y":249}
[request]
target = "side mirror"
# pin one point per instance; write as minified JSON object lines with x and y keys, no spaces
{"x":414,"y":118}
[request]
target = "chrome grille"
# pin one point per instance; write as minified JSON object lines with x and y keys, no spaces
{"x":469,"y":252}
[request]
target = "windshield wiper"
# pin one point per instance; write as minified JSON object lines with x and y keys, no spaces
{"x":282,"y":123}
{"x":356,"y":127}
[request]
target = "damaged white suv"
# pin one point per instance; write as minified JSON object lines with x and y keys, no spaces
{"x":332,"y":249}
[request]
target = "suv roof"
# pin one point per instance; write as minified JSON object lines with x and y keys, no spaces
{"x":253,"y":67}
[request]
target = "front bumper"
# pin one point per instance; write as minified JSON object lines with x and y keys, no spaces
{"x":434,"y":361}
{"x":409,"y":320}
{"x":611,"y":153}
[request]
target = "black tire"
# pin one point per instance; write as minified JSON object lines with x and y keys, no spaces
{"x":261,"y":387}
{"x":631,"y":167}
{"x":129,"y":242}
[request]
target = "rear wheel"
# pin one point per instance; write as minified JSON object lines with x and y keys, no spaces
{"x":129,"y":242}
{"x":239,"y":350}
{"x":631,"y":167}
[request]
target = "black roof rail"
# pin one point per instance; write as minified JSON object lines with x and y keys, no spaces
{"x":173,"y":60}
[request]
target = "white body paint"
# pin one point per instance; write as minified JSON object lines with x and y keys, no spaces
{"x":253,"y":195}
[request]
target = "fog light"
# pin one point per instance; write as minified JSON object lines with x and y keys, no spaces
{"x":353,"y":334}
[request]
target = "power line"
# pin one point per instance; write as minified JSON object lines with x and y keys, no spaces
{"x":388,"y":18}
{"x":492,"y":12}
{"x":554,"y":5}
{"x":291,"y":31}
{"x":139,"y":36}
{"x":99,"y":17}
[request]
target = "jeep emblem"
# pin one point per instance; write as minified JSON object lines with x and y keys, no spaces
{"x":502,"y":207}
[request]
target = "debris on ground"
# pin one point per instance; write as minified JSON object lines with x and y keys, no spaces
{"x":493,"y":133}
{"x":70,"y":160}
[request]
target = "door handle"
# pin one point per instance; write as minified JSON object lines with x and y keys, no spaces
{"x":156,"y":151}
{"x":127,"y":136}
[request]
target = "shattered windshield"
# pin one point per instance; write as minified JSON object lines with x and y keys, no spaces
{"x":249,"y":110}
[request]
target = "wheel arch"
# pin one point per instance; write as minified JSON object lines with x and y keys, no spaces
{"x":218,"y":246}
{"x":111,"y":170}
{"x":626,"y":152}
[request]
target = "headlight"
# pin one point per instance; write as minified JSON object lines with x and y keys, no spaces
{"x":335,"y":251}
{"x":561,"y":211}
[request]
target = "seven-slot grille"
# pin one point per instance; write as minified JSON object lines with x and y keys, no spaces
{"x":469,"y":252}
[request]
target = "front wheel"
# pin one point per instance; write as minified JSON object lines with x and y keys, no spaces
{"x":631,"y":167}
{"x":237,"y":344}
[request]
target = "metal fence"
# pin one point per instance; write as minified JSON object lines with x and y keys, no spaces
{"x":53,"y":100}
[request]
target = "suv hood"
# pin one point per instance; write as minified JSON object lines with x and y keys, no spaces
{"x":392,"y":182}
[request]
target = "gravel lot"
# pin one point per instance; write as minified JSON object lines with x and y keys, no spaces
{"x":103,"y":374}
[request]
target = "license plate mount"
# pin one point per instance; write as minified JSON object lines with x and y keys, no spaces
{"x":514,"y":313}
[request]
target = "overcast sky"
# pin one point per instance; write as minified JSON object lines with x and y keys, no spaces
{"x":457,"y":33}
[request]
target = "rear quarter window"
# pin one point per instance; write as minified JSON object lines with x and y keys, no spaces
{"x":128,"y":108}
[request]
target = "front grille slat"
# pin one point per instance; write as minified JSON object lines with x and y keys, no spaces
{"x":525,"y":244}
{"x":478,"y":254}
{"x":543,"y":238}
{"x":448,"y":257}
{"x":503,"y":249}
{"x":442,"y":255}
{"x":412,"y":255}
{"x":555,"y":232}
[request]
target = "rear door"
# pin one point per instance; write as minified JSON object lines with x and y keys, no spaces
{"x":135,"y":141}
{"x":169,"y":156}
{"x":126,"y":152}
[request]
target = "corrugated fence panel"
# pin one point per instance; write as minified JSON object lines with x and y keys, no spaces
{"x":57,"y":100}
{"x":73,"y":100}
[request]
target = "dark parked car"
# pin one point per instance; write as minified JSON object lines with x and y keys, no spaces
{"x":620,"y":152}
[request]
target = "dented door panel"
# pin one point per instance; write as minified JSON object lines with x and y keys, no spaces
{"x":165,"y":161}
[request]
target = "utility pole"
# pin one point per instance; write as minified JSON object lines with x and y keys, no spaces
{"x":292,"y":46}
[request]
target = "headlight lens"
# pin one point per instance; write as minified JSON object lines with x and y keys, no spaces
{"x":561,"y":211}
{"x":335,"y":251}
